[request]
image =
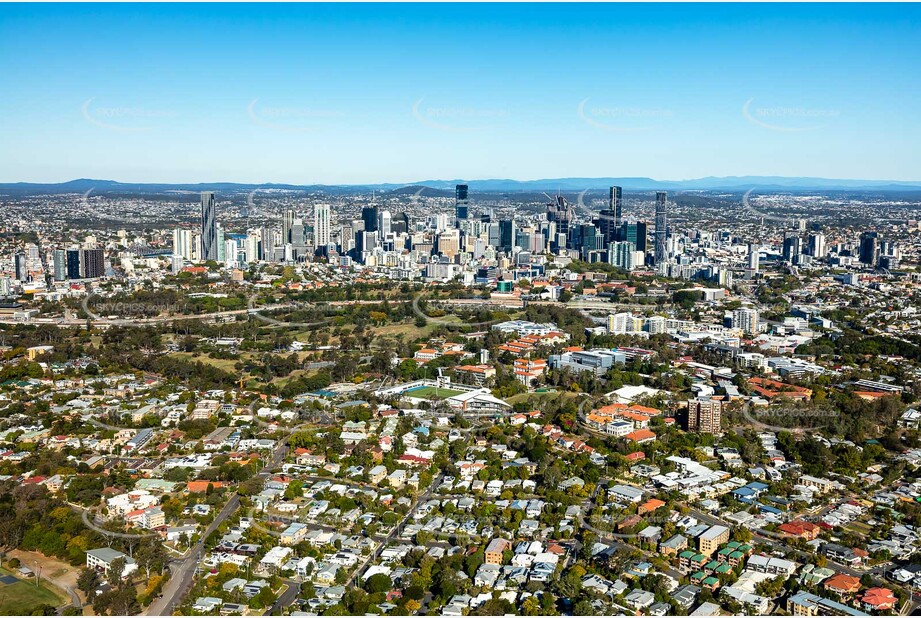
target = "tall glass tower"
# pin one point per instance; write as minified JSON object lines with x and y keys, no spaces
{"x":661,"y":226}
{"x":461,"y":203}
{"x":209,"y":242}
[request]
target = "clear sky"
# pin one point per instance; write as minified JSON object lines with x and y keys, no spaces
{"x":403,"y":92}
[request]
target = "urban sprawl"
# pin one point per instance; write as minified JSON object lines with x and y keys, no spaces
{"x":431,"y":402}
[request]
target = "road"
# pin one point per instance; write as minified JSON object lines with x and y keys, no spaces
{"x":614,"y":539}
{"x":511,"y":303}
{"x":286,"y":598}
{"x":397,"y":530}
{"x":183,"y":571}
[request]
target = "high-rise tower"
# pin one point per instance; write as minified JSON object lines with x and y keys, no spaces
{"x":209,"y":249}
{"x":661,"y":226}
{"x":461,"y":203}
{"x":321,"y":230}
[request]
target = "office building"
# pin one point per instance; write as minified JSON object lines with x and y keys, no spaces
{"x":506,"y":235}
{"x":20,"y":267}
{"x":73,"y":264}
{"x":461,"y":204}
{"x":635,"y":233}
{"x":369,"y":215}
{"x":792,"y":247}
{"x":610,"y":220}
{"x":560,"y":212}
{"x":383,"y":223}
{"x":869,"y":248}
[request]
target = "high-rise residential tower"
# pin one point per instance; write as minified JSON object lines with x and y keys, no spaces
{"x":209,"y":240}
{"x":661,"y":226}
{"x":321,"y":225}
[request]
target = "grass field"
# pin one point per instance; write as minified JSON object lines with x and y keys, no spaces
{"x":430,"y":392}
{"x":21,"y":598}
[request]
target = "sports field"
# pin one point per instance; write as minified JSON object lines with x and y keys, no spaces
{"x":23,"y":596}
{"x":430,"y":392}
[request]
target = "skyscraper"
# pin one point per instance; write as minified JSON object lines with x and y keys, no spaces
{"x":661,"y":226}
{"x":560,"y":212}
{"x":321,"y":229}
{"x":461,"y":204}
{"x":287,"y":223}
{"x":817,"y":247}
{"x":383,"y":223}
{"x":92,"y":263}
{"x":20,"y":266}
{"x":73,"y":264}
{"x":60,"y":264}
{"x":369,"y":216}
{"x":182,"y":243}
{"x":267,"y":240}
{"x":209,"y":240}
{"x":869,"y":248}
{"x":622,"y":254}
{"x":507,"y":235}
{"x":609,"y":221}
{"x":754,"y":258}
{"x":792,"y":246}
{"x":635,"y":233}
{"x":615,"y":204}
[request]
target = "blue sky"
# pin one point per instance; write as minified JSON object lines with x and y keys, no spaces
{"x":401,"y":92}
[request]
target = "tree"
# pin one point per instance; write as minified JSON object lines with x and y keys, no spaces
{"x":87,"y":583}
{"x":295,"y":489}
{"x":151,"y":555}
{"x":115,"y":571}
{"x":378,"y":582}
{"x":412,"y":606}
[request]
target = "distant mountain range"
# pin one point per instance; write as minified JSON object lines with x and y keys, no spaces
{"x":499,"y":185}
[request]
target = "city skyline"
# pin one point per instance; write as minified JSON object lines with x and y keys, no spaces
{"x":682,"y":91}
